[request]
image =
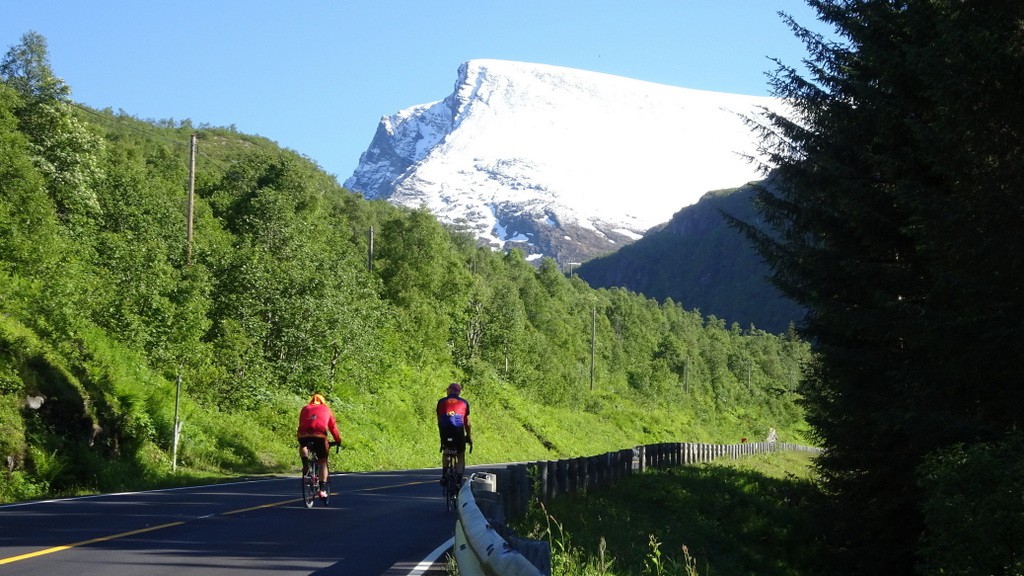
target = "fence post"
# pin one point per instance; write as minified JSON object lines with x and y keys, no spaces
{"x":512,"y":492}
{"x":572,"y":476}
{"x":524,"y":490}
{"x":562,"y":472}
{"x":542,"y":480}
{"x":553,"y":481}
{"x":501,"y":476}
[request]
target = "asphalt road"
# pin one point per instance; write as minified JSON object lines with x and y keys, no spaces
{"x":392,"y":523}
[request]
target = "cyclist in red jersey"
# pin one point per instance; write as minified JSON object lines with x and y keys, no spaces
{"x":453,"y":426}
{"x":315,"y":420}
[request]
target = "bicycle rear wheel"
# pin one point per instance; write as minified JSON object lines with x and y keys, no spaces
{"x":451,"y":489}
{"x":310,"y":484}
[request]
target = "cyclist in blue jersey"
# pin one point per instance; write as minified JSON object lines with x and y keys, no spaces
{"x":454,"y":428}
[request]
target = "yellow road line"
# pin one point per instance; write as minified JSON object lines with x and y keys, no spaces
{"x":85,"y":542}
{"x":394,"y":486}
{"x":250,"y":509}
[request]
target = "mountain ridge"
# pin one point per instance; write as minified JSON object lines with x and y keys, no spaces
{"x":559,"y":162}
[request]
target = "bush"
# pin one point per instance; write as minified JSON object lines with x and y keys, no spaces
{"x":17,"y":486}
{"x":12,"y":430}
{"x":974,"y":509}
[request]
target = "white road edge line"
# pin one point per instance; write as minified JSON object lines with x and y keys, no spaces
{"x":105,"y":494}
{"x":427,"y":562}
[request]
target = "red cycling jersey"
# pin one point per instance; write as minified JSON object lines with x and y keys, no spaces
{"x":317,"y":420}
{"x":453,"y":411}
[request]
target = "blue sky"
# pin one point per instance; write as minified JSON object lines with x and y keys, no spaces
{"x":317,"y":75}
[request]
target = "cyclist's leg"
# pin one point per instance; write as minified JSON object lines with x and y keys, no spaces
{"x":460,"y":464}
{"x":323,"y":462}
{"x":448,"y":439}
{"x":460,"y":454}
{"x":304,"y":457}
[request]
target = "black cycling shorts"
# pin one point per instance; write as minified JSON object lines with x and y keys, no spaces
{"x":453,"y":437}
{"x":317,"y":445}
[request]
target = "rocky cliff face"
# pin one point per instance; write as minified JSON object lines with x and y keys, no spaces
{"x":559,"y":162}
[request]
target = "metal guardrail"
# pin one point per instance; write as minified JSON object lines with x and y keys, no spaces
{"x":479,"y":548}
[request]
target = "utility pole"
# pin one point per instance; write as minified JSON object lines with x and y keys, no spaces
{"x":188,"y":262}
{"x":369,"y":253}
{"x":177,"y":423}
{"x":191,"y":198}
{"x":593,"y":343}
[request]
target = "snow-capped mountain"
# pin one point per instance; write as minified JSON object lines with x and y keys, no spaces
{"x":560,"y":162}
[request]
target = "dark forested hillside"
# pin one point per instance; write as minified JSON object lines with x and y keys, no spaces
{"x":697,"y":260}
{"x":114,"y":332}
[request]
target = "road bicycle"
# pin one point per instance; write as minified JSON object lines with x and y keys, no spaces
{"x":311,"y":485}
{"x":450,"y":479}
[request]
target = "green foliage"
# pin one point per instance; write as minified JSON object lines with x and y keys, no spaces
{"x":973,"y":509}
{"x":12,"y":427}
{"x":26,"y":68}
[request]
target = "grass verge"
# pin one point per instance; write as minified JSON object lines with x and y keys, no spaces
{"x":730,"y":517}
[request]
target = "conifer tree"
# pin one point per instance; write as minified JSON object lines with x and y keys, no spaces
{"x":897,"y":202}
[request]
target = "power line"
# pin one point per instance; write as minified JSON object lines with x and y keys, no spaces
{"x":131,"y":122}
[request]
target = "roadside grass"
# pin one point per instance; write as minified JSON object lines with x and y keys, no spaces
{"x":729,"y":517}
